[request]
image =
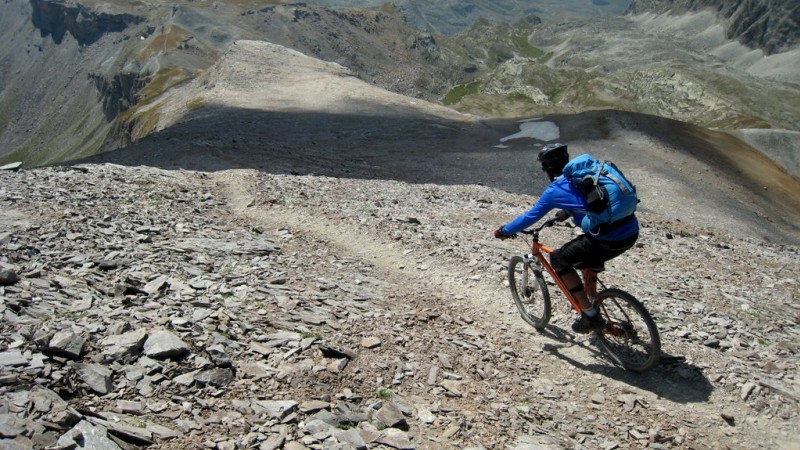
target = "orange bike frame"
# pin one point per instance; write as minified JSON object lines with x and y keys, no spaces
{"x":539,"y":250}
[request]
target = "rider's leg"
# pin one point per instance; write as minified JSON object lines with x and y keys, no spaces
{"x":564,"y":260}
{"x":589,"y":320}
{"x":574,"y":284}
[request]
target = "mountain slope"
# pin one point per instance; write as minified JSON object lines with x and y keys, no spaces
{"x":770,"y":25}
{"x":97,"y":64}
{"x":245,"y":309}
{"x":267,"y":107}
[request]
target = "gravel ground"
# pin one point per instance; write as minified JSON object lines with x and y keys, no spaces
{"x":282,"y":311}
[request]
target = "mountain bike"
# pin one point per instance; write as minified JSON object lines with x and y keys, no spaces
{"x":630,"y":336}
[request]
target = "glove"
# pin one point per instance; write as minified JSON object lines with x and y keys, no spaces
{"x":498,"y":233}
{"x":562,"y":215}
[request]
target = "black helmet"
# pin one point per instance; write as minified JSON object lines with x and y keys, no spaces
{"x":553,"y":158}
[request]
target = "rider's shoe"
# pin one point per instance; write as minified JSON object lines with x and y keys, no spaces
{"x":585,"y":324}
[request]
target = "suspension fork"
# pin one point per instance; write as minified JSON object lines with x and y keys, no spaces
{"x":532,"y":259}
{"x":528,"y":260}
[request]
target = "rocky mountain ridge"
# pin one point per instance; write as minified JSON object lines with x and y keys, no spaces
{"x":770,"y":25}
{"x":90,"y":98}
{"x":238,"y":309}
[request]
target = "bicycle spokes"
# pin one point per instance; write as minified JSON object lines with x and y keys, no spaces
{"x":621,"y":330}
{"x":630,"y":336}
{"x":529,"y":292}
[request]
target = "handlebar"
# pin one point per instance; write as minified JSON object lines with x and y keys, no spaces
{"x":546,"y":224}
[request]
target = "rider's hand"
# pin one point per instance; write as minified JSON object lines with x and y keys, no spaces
{"x":498,"y":233}
{"x":562,"y":215}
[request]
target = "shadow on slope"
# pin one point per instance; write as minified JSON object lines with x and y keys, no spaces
{"x":403,"y":147}
{"x":673,"y":379}
{"x":413,"y":147}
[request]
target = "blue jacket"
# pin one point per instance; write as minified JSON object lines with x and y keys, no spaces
{"x":561,"y":194}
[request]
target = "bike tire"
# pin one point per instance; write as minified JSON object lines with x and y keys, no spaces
{"x":630,"y":337}
{"x":533,"y":301}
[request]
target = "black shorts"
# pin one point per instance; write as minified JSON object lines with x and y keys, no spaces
{"x":586,"y":252}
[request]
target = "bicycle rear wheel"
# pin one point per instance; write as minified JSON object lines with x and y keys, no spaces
{"x":630,"y":336}
{"x":533,"y":299}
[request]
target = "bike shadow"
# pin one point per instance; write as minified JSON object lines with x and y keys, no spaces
{"x":673,"y":378}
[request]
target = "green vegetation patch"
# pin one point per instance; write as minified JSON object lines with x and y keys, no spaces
{"x":458,"y":92}
{"x":384,"y":394}
{"x":162,"y":81}
{"x":525,"y":49}
{"x":195,"y":103}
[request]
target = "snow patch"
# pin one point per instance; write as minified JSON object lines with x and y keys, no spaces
{"x":543,"y":131}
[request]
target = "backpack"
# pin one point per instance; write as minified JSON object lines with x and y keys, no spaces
{"x":609,"y":196}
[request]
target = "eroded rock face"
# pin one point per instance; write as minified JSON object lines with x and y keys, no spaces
{"x":770,"y":25}
{"x":54,"y":18}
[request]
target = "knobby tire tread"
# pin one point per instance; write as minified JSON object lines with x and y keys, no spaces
{"x":542,"y":295}
{"x":638,"y":308}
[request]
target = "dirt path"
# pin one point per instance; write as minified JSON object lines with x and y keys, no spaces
{"x":675,"y":405}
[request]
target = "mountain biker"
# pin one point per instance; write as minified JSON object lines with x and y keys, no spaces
{"x":586,"y":250}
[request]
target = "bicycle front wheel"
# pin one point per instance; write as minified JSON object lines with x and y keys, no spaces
{"x":630,"y":336}
{"x":531,"y":296}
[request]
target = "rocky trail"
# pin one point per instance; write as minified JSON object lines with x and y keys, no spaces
{"x":145,"y":308}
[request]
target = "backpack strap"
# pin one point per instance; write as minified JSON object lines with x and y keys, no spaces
{"x":600,"y":170}
{"x":622,"y":186}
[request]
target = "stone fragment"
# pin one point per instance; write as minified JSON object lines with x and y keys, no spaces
{"x":8,"y":277}
{"x":124,"y":348}
{"x":254,"y":370}
{"x":162,"y":432}
{"x":185,"y":379}
{"x":218,"y":377}
{"x":371,"y":342}
{"x":157,"y":284}
{"x":130,"y":434}
{"x":133,"y":407}
{"x":433,"y":374}
{"x":337,"y":365}
{"x":390,"y":416}
{"x":337,"y":352}
{"x":395,"y":438}
{"x":11,"y":426}
{"x":277,"y":409}
{"x":218,"y":356}
{"x":163,"y":344}
{"x":453,"y":388}
{"x":351,"y":437}
{"x":316,"y":427}
{"x":96,"y":376}
{"x":747,"y":390}
{"x":312,"y":406}
{"x":273,"y":442}
{"x":66,"y":343}
{"x":12,"y":358}
{"x":281,"y":338}
{"x":88,"y":436}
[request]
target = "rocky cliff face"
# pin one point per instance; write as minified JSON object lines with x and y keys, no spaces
{"x":86,"y":26}
{"x":771,"y":25}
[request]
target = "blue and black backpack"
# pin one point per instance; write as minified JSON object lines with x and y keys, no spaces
{"x":610,"y":197}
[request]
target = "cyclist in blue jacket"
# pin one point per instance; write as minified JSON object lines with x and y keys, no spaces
{"x":586,"y":250}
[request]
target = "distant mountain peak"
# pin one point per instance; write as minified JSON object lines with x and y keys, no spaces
{"x":769,"y":25}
